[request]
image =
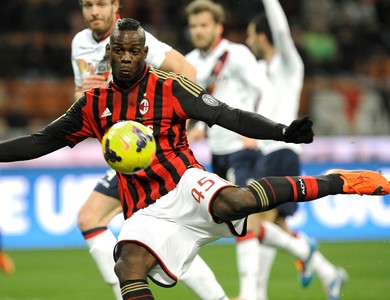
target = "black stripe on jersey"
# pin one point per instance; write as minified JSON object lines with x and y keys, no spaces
{"x":124,"y":106}
{"x":187,"y":84}
{"x":95,"y":108}
{"x":109,"y":104}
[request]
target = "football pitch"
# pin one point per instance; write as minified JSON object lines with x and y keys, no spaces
{"x":71,"y":274}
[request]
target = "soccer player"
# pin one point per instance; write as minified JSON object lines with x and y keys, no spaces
{"x":269,"y":37}
{"x":226,"y":71}
{"x":174,"y":206}
{"x":92,"y":69}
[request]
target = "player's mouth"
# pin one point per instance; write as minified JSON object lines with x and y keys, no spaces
{"x":126,"y":71}
{"x":95,"y":21}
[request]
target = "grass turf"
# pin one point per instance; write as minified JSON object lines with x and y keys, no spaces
{"x":71,"y":274}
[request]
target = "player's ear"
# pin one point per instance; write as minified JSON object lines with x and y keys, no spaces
{"x":146,"y":50}
{"x":108,"y":49}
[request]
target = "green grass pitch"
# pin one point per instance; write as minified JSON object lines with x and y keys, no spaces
{"x":71,"y":274}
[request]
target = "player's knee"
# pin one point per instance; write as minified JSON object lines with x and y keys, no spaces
{"x":234,"y":203}
{"x":132,"y":261}
{"x":86,"y":219}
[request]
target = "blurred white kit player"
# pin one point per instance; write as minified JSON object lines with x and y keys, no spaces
{"x":284,"y":68}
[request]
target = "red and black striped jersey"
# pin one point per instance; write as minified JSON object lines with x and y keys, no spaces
{"x":161,"y":101}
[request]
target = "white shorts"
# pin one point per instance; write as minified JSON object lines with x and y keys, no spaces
{"x":176,"y":225}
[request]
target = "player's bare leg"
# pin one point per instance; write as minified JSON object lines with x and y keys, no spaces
{"x":132,"y":267}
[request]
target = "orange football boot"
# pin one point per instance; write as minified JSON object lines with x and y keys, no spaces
{"x":363,"y":182}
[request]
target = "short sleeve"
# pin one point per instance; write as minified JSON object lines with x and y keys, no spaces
{"x":157,"y":50}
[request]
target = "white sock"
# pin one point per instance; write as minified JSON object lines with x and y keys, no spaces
{"x":201,"y":280}
{"x":101,"y":248}
{"x":325,"y":270}
{"x":267,"y":256}
{"x":247,"y":251}
{"x":275,"y":236}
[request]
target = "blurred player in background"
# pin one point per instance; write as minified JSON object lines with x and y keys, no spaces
{"x":6,"y":263}
{"x":92,"y":69}
{"x":228,"y":71}
{"x":269,"y":38}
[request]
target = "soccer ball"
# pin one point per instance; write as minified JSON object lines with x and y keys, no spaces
{"x":128,"y":147}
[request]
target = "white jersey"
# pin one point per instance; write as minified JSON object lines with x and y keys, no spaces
{"x":86,"y":51}
{"x":237,"y":85}
{"x":286,"y":73}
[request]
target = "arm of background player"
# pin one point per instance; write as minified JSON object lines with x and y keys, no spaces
{"x":177,"y":63}
{"x":90,"y":81}
{"x":281,"y":34}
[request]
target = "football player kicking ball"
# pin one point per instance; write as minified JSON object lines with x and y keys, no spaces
{"x":174,"y":206}
{"x":92,"y":69}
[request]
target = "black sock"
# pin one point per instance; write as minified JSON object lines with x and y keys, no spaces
{"x":136,"y":289}
{"x":273,"y":191}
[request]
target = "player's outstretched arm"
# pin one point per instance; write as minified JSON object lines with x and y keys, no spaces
{"x":256,"y":126}
{"x":29,"y":147}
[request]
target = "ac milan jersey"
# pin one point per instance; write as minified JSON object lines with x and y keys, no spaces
{"x":161,"y":101}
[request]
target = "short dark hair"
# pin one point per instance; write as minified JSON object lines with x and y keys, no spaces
{"x":262,"y":26}
{"x":127,"y":24}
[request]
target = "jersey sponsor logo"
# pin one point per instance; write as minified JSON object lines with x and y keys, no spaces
{"x":106,"y":113}
{"x":144,"y":106}
{"x":210,"y":100}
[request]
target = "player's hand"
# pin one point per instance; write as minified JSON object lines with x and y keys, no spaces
{"x":94,"y":80}
{"x":300,"y":131}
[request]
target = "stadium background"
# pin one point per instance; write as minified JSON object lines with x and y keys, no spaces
{"x":345,"y":45}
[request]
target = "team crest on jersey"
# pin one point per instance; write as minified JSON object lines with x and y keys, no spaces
{"x":210,"y":100}
{"x":144,"y":106}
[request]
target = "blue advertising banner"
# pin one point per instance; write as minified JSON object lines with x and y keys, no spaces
{"x":39,"y":202}
{"x":38,"y":208}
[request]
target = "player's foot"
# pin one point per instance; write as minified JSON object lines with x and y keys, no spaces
{"x":363,"y":182}
{"x":333,"y":290}
{"x":306,"y":271}
{"x":6,"y":264}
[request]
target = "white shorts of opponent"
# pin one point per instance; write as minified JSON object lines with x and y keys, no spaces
{"x":176,"y":225}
